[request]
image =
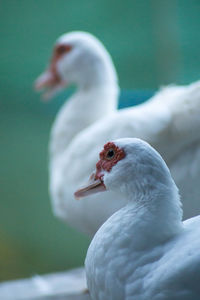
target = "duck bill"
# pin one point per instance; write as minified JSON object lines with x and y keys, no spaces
{"x":50,"y":82}
{"x":92,"y":188}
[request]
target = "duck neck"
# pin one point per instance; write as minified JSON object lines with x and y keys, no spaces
{"x":156,"y":216}
{"x":86,"y":106}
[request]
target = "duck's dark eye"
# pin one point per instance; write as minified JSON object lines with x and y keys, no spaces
{"x":61,"y":50}
{"x":110,"y":154}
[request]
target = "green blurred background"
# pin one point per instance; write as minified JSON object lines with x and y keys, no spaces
{"x":152,"y":43}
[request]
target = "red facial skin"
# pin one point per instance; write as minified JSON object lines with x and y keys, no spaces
{"x":110,"y":155}
{"x":107,"y":160}
{"x":59,"y":51}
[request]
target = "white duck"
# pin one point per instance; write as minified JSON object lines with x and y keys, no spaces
{"x":143,"y":251}
{"x":169,"y":121}
{"x":79,"y":58}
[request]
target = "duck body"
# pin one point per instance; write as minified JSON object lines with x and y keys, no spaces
{"x":185,"y":169}
{"x":163,"y":271}
{"x":168,"y":121}
{"x":144,"y":250}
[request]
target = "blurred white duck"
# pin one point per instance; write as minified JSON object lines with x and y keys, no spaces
{"x":143,"y":251}
{"x":169,"y":121}
{"x":79,"y":58}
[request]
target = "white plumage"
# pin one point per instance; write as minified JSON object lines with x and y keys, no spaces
{"x":169,"y":122}
{"x":143,"y":251}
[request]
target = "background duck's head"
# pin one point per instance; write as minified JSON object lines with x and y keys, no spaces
{"x":78,"y":58}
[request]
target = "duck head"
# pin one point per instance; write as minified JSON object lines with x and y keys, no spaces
{"x":131,"y":167}
{"x":78,"y":58}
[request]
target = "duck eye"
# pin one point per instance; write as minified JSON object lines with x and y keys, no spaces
{"x":63,"y":49}
{"x":110,"y":154}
